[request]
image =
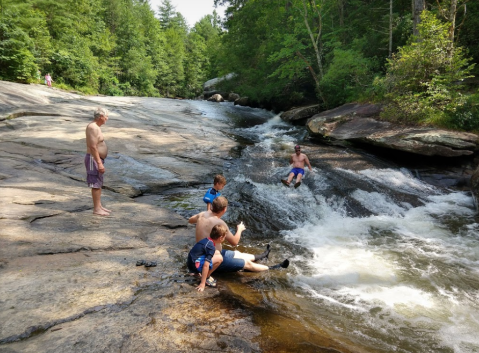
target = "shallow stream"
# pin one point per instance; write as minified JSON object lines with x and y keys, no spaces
{"x":380,"y":260}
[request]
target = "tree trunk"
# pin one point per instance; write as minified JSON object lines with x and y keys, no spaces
{"x":315,"y":38}
{"x":452,"y":19}
{"x":341,"y":13}
{"x":418,"y":6}
{"x":390,"y":28}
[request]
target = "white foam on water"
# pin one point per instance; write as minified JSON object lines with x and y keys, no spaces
{"x":401,"y":180}
{"x":270,"y":128}
{"x":349,"y":271}
{"x":378,"y":203}
{"x":462,"y":333}
{"x":392,"y":260}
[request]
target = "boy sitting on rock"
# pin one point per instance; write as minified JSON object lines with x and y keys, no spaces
{"x":200,"y":257}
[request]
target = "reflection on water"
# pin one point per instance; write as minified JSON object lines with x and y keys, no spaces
{"x":379,"y":258}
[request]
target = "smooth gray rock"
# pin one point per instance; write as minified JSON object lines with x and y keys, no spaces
{"x":210,"y":85}
{"x":300,"y":113}
{"x":233,"y":96}
{"x":216,"y":98}
{"x":355,"y":122}
{"x":243,"y":101}
{"x":68,"y":278}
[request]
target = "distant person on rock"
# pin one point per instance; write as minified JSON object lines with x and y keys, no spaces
{"x":97,"y":151}
{"x":233,"y":261}
{"x":298,"y":160}
{"x":48,"y":80}
{"x":218,"y":184}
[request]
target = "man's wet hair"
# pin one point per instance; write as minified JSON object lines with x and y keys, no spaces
{"x":219,"y":179}
{"x":100,"y":112}
{"x":218,"y":231}
{"x":219,"y":204}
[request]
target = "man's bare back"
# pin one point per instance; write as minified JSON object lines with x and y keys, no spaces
{"x":205,"y":222}
{"x":231,"y":261}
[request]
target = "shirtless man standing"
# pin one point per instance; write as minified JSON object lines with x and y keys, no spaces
{"x":96,"y":152}
{"x":297,"y":160}
{"x":233,"y":261}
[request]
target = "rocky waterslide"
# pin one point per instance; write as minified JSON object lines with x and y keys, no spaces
{"x":68,"y":279}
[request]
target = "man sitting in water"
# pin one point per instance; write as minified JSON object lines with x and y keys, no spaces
{"x":233,"y":261}
{"x":297,"y":159}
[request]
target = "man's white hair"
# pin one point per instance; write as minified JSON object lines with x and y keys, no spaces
{"x":100,"y":112}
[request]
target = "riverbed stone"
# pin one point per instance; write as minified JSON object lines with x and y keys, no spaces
{"x":233,"y":96}
{"x":360,"y":123}
{"x":216,"y":98}
{"x":243,"y":101}
{"x":301,"y":113}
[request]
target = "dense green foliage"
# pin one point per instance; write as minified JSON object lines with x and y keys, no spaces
{"x":424,"y":78}
{"x":338,"y":51}
{"x":326,"y":50}
{"x":114,"y":47}
{"x":282,"y":52}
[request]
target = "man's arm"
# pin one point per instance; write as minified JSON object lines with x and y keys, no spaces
{"x":92,"y":142}
{"x":194,"y":219}
{"x":235,"y":239}
{"x":291,"y":159}
{"x":306,"y":160}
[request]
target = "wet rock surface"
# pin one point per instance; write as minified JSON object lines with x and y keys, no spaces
{"x":69,"y":280}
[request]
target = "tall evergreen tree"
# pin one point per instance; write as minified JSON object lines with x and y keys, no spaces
{"x":166,"y":12}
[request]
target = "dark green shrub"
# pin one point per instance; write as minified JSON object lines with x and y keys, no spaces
{"x":423,"y":79}
{"x":347,"y":78}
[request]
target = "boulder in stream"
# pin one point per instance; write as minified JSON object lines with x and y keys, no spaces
{"x":216,"y":98}
{"x":243,"y":101}
{"x":301,"y":113}
{"x":359,"y":123}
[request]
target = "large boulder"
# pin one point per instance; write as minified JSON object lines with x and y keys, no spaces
{"x":208,"y":95}
{"x":216,"y":98}
{"x":233,"y":96}
{"x":301,"y":113}
{"x":243,"y":101}
{"x":357,"y":123}
{"x":210,"y":85}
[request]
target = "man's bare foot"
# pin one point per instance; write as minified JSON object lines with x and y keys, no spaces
{"x":105,"y":209}
{"x":101,"y":213}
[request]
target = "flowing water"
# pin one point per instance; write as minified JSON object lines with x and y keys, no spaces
{"x":380,"y":260}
